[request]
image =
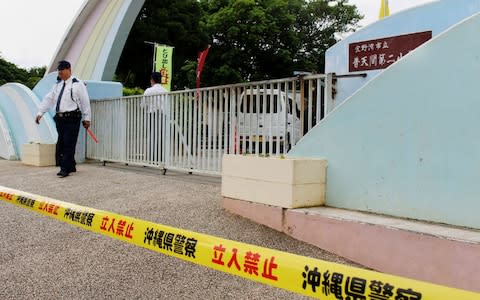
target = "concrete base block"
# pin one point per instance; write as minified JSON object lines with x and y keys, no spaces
{"x":283,"y":182}
{"x":40,"y":155}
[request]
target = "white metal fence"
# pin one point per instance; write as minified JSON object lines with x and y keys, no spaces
{"x":190,"y":130}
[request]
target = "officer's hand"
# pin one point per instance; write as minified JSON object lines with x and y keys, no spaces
{"x":86,"y":124}
{"x":37,"y":119}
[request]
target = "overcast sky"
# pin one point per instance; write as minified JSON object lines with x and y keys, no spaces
{"x":30,"y":30}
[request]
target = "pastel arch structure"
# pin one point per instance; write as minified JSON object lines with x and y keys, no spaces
{"x":93,"y":44}
{"x":95,"y":39}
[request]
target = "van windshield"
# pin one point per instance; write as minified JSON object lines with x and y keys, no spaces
{"x":250,"y":105}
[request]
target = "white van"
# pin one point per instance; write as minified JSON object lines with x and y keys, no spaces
{"x":270,"y":116}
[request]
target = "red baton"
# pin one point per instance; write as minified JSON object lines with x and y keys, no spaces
{"x":90,"y":133}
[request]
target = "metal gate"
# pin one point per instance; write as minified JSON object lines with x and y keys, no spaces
{"x":190,"y":130}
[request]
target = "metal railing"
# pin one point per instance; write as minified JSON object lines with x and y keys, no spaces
{"x":190,"y":130}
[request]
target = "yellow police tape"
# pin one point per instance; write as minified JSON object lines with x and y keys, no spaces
{"x":302,"y":275}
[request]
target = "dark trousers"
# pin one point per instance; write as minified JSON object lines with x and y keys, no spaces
{"x":67,"y":128}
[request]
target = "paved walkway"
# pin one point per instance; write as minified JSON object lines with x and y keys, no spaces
{"x":43,"y":258}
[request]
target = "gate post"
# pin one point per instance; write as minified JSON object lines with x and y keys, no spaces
{"x":329,"y":93}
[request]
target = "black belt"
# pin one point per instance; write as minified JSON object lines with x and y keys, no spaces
{"x":69,"y":114}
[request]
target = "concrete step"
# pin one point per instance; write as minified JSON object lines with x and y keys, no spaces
{"x":426,"y":251}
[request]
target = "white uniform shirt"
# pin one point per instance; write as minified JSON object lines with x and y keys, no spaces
{"x":74,"y":96}
{"x":152,"y":102}
{"x":157,"y":88}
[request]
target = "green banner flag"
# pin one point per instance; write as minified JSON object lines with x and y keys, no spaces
{"x":163,"y":64}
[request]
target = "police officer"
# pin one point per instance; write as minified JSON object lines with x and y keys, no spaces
{"x":155,"y":85}
{"x":70,"y":99}
{"x":152,"y":103}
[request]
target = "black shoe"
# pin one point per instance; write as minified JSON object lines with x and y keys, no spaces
{"x":73,"y":170}
{"x":62,"y":174}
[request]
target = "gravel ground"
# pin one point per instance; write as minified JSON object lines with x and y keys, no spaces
{"x":43,"y":258}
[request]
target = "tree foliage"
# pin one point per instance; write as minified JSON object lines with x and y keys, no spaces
{"x":263,"y":39}
{"x":11,"y":73}
{"x":250,"y":39}
{"x":174,"y":23}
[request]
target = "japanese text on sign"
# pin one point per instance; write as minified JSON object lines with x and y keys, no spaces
{"x":164,"y":62}
{"x":250,"y":261}
{"x":169,"y":241}
{"x":82,"y":217}
{"x":48,"y":208}
{"x":6,"y":196}
{"x":381,"y":53}
{"x":26,"y":201}
{"x":120,"y":227}
{"x":351,"y":287}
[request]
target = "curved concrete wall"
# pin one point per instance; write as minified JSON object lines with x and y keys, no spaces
{"x":19,"y":106}
{"x":407,"y":144}
{"x":436,"y":16}
{"x":7,"y":147}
